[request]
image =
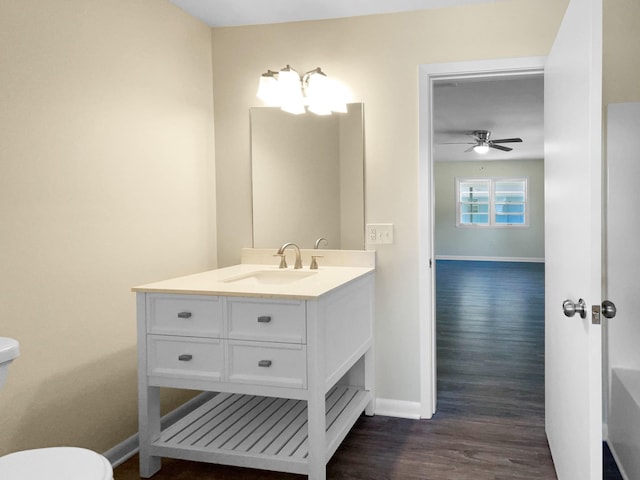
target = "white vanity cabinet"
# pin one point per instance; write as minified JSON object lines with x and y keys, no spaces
{"x":291,"y":373}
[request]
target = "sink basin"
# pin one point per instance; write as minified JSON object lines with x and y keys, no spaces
{"x":270,"y":277}
{"x":9,"y":350}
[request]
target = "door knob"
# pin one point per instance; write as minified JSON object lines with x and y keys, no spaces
{"x":609,"y":309}
{"x":571,"y":308}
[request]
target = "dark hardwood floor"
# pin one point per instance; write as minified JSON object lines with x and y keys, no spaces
{"x":490,"y":419}
{"x":490,"y":337}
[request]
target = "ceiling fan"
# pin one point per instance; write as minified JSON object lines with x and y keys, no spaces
{"x":483,"y":142}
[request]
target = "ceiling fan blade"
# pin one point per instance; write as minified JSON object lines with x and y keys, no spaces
{"x":500,"y":147}
{"x":507,"y":140}
{"x":455,"y":143}
{"x":470,"y":149}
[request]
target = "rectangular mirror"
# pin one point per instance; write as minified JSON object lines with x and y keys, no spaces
{"x":308,"y":178}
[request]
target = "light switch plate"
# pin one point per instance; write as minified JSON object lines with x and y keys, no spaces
{"x":379,"y":233}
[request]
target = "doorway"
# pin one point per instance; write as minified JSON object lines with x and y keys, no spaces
{"x":489,"y":244}
{"x":429,"y":75}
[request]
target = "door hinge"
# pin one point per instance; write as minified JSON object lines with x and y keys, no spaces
{"x":430,"y":264}
{"x":595,"y":314}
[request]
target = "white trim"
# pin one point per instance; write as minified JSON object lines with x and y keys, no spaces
{"x":490,"y":259}
{"x":126,"y":449}
{"x":427,"y":73}
{"x":388,"y":407}
{"x":123,"y":451}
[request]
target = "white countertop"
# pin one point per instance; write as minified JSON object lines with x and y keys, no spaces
{"x":215,"y":282}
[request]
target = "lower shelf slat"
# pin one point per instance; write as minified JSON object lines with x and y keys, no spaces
{"x":254,"y":431}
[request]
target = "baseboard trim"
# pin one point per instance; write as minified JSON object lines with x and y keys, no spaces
{"x":490,"y":259}
{"x":129,"y":447}
{"x":397,"y":408}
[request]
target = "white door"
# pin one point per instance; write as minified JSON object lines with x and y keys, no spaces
{"x":573,"y":206}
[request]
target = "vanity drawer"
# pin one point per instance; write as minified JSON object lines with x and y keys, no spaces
{"x":189,"y":315}
{"x":180,"y":357}
{"x":273,"y":364}
{"x":267,"y":320}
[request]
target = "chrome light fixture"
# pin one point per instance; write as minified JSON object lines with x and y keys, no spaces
{"x":293,"y":92}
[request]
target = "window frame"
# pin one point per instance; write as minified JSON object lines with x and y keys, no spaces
{"x":491,"y":181}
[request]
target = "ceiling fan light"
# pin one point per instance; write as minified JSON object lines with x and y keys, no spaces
{"x":481,"y":149}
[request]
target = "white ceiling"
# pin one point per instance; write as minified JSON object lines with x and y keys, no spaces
{"x":507,"y":107}
{"x":225,"y":13}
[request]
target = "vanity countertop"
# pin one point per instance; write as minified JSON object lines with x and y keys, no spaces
{"x":243,"y":280}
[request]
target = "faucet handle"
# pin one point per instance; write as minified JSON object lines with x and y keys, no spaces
{"x":283,"y":260}
{"x":314,"y":262}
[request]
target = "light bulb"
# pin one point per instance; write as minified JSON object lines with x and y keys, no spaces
{"x":290,"y":91}
{"x":268,"y":90}
{"x":481,"y":149}
{"x":318,"y":94}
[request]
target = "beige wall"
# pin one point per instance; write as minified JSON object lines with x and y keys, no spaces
{"x":106,"y":181}
{"x":621,"y":51}
{"x":378,"y":58}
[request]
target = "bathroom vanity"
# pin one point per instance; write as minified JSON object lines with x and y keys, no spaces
{"x":287,"y":352}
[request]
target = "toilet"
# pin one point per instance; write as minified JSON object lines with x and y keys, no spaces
{"x":59,"y":463}
{"x":54,"y":463}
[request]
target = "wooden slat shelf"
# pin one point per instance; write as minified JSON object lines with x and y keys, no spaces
{"x":259,"y":432}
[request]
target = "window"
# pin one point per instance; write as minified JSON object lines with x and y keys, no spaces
{"x":473,"y":202}
{"x":509,"y":200}
{"x":491,"y":202}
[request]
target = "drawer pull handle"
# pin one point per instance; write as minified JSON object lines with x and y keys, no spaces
{"x":264,"y":363}
{"x":185,"y":357}
{"x":184,"y":315}
{"x":264,"y":319}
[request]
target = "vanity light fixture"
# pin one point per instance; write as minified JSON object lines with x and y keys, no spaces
{"x":267,"y":89}
{"x":293,"y":92}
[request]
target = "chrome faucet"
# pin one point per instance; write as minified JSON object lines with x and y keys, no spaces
{"x":319,"y":241}
{"x":283,"y":262}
